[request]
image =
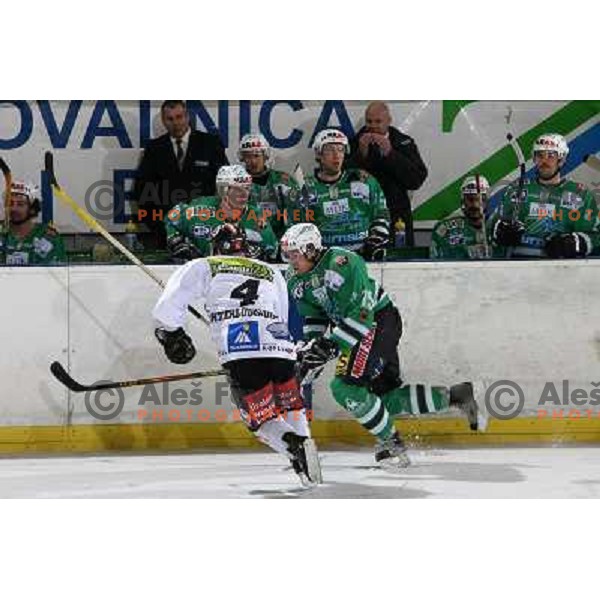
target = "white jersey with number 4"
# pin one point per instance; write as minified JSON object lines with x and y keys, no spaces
{"x":246,"y":301}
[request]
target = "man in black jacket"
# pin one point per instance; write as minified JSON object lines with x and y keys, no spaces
{"x":176,"y":167}
{"x":393,"y":159}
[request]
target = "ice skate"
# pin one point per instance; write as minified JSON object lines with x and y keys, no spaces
{"x":463,"y":398}
{"x":391,"y":454}
{"x":305,"y":461}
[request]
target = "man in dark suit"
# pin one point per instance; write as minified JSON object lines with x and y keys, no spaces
{"x":393,"y":159}
{"x":176,"y":167}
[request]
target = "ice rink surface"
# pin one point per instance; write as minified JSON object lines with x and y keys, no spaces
{"x":443,"y":473}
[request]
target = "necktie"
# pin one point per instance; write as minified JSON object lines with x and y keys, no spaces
{"x":179,"y":154}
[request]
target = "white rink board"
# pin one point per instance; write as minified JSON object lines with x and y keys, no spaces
{"x":525,"y":321}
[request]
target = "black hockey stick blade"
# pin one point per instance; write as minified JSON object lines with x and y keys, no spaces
{"x":49,"y":168}
{"x":61,"y":374}
{"x":4,"y":167}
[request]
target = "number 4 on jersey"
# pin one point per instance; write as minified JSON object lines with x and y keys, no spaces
{"x":247,"y":292}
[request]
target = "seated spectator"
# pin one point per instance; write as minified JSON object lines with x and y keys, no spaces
{"x":347,"y":205}
{"x":393,"y":158}
{"x":27,"y":242}
{"x":191,"y":228}
{"x":465,"y":236}
{"x":551,"y":217}
{"x":270,"y":188}
{"x":180,"y":165}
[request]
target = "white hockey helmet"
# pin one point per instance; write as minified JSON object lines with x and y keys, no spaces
{"x":254,"y":142}
{"x":29,"y":191}
{"x":232,"y":175}
{"x":469,"y":186}
{"x":304,"y":237}
{"x":551,"y":142}
{"x":330,"y":136}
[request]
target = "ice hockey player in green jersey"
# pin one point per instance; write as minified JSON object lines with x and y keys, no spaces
{"x":192,"y":227}
{"x":271,"y":189}
{"x":347,"y":205}
{"x":27,"y":242}
{"x":333,"y":291}
{"x":552,"y":217}
{"x":465,"y":236}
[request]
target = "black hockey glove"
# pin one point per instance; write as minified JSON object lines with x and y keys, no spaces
{"x":568,"y":245}
{"x":375,"y":245}
{"x":178,"y":345}
{"x":313,"y":356}
{"x":181,"y":249}
{"x":508,"y":233}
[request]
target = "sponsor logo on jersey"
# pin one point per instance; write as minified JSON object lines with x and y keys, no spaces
{"x":240,"y":266}
{"x":279,"y":330}
{"x":571,"y":201}
{"x":360,"y":190}
{"x":298,"y":291}
{"x":441,"y":230}
{"x":342,"y":365}
{"x":541,"y":210}
{"x":243,"y":337}
{"x":42,"y":246}
{"x":341,"y":260}
{"x":362,"y":355}
{"x":456,"y":239}
{"x":333,"y":280}
{"x":320,"y":294}
{"x":201,"y":231}
{"x":237,"y":313}
{"x":336,"y":207}
{"x":533,"y":242}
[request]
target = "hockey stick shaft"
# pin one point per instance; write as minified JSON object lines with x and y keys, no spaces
{"x":522,"y":167}
{"x":592,"y":161}
{"x":7,"y":193}
{"x":61,"y":374}
{"x":93,"y":224}
{"x":482,"y":209}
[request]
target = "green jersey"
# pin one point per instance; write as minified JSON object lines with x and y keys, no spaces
{"x":43,"y":246}
{"x":271,"y":193}
{"x":344,"y":210}
{"x":544,"y":210}
{"x":197,"y":221}
{"x":339,"y":292}
{"x":457,"y":238}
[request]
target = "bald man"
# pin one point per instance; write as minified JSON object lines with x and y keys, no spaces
{"x":393,"y":158}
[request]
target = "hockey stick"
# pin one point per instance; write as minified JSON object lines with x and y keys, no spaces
{"x":482,"y":209}
{"x":93,"y":224}
{"x":61,"y":374}
{"x":522,"y":167}
{"x":7,"y":194}
{"x":521,"y":185}
{"x":592,"y":161}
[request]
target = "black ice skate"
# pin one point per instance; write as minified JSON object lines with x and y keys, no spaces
{"x":305,"y":461}
{"x":463,"y":398}
{"x":391,"y":454}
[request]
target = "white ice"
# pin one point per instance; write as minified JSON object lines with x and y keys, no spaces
{"x":444,"y":473}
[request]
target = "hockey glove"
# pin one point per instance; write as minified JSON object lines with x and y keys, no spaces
{"x":568,"y":245}
{"x":374,"y":247}
{"x":181,"y":249}
{"x":508,"y":233}
{"x":313,"y":356}
{"x":178,"y":345}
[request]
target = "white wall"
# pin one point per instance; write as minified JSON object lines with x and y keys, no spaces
{"x":525,"y":321}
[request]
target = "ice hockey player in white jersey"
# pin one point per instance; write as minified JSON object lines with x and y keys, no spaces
{"x":247,"y":304}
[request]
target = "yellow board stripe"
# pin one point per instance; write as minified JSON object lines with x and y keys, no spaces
{"x":418,"y":432}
